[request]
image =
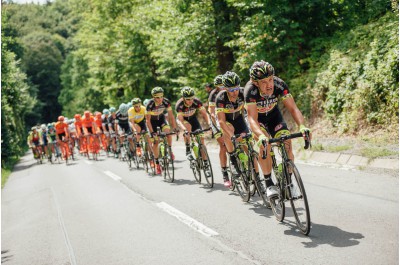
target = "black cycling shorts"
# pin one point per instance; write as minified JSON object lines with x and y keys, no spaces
{"x":239,"y":125}
{"x":194,"y":122}
{"x":273,"y":122}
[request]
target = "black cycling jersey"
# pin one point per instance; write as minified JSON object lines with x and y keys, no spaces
{"x":122,"y":119}
{"x":105,"y":122}
{"x":157,"y":112}
{"x":266,"y":104}
{"x":188,"y":112}
{"x":231,"y":109}
{"x":212,"y":96}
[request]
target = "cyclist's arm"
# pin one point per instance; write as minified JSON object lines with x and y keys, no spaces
{"x":294,"y":110}
{"x":212,"y":114}
{"x":252,"y":117}
{"x":148,"y":123}
{"x":171,"y":118}
{"x":203,"y":113}
{"x":222,"y":123}
{"x":180,"y":121}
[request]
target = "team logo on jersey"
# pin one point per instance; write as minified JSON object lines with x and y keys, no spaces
{"x":278,"y":127}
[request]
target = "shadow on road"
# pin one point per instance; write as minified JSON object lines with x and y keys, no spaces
{"x":325,"y":234}
{"x":4,"y":256}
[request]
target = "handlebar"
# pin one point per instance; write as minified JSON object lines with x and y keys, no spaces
{"x":307,"y":142}
{"x":198,"y":131}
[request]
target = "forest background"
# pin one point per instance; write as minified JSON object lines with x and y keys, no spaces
{"x":339,"y":58}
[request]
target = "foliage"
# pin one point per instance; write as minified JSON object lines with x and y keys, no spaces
{"x":359,"y":82}
{"x":15,"y":101}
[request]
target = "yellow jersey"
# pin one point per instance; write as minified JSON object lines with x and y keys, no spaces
{"x":137,"y":116}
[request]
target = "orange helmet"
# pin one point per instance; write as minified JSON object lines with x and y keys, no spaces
{"x":98,"y":115}
{"x":87,"y":114}
{"x":61,"y":118}
{"x":77,"y":116}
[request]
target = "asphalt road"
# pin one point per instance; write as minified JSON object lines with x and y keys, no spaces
{"x":104,"y":213}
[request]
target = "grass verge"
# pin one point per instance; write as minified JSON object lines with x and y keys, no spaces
{"x":6,"y":169}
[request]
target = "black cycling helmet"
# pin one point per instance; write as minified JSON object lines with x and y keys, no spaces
{"x":230,"y":79}
{"x":260,"y":70}
{"x":157,"y":90}
{"x":187,"y":92}
{"x":136,"y":101}
{"x":218,"y":80}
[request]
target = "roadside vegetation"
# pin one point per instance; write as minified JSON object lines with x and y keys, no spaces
{"x":339,"y":58}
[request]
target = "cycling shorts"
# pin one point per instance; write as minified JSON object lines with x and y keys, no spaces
{"x":142,"y":125}
{"x":194,"y":123}
{"x":239,"y":125}
{"x":273,"y":123}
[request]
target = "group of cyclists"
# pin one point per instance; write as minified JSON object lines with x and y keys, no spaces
{"x":231,"y":111}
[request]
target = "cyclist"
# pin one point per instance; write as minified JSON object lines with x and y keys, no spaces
{"x":89,"y":127}
{"x":262,"y":93}
{"x":216,"y":131}
{"x":45,"y":139}
{"x":155,"y":117}
{"x":137,"y":118}
{"x":35,"y":141}
{"x":121,"y":125}
{"x":186,"y":110}
{"x":111,"y":123}
{"x":51,"y":131}
{"x":79,"y":132}
{"x":105,"y":126}
{"x":62,"y":132}
{"x":230,"y":109}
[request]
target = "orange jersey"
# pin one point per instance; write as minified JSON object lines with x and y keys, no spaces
{"x":60,"y":127}
{"x":78,"y":126}
{"x":87,"y":122}
{"x":98,"y":122}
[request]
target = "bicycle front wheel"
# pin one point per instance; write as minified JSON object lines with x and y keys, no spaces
{"x":169,"y":174}
{"x":207,"y":169}
{"x":298,"y":198}
{"x":278,"y":202}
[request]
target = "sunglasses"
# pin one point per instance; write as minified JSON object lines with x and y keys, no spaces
{"x":233,"y":89}
{"x":159,"y":97}
{"x":136,"y":106}
{"x":188,"y":99}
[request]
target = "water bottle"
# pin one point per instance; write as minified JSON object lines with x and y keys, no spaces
{"x":162,"y":149}
{"x":243,"y":157}
{"x":196,"y":150}
{"x":279,"y":171}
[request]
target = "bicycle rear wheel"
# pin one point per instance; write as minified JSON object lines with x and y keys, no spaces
{"x":195,"y":166}
{"x":169,"y":173}
{"x":298,"y":198}
{"x":208,"y":173}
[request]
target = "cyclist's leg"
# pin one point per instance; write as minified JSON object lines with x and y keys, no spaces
{"x":186,"y":138}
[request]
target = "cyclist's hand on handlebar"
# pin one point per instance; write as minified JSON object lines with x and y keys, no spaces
{"x":306,"y":132}
{"x":260,"y":140}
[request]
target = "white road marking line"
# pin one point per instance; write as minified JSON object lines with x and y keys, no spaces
{"x":189,"y":221}
{"x":88,"y":162}
{"x":72,"y":258}
{"x":112,"y":175}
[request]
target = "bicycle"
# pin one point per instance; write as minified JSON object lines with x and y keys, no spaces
{"x":247,"y":159}
{"x":92,"y":146}
{"x":147,"y":157}
{"x":166,"y":161}
{"x":289,"y":184}
{"x":37,"y":154}
{"x":64,"y":147}
{"x":200,"y":155}
{"x":125,"y":151}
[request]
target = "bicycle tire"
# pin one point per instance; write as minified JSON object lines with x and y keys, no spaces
{"x":259,"y":184}
{"x":278,"y":203}
{"x":135,"y":157}
{"x":169,"y":165}
{"x":195,"y":166}
{"x":232,"y":187}
{"x":241,"y":183}
{"x":298,"y":198}
{"x":209,"y":179}
{"x":127,"y":155}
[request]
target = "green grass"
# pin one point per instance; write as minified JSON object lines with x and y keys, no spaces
{"x":372,"y":153}
{"x":339,"y":148}
{"x":6,"y":168}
